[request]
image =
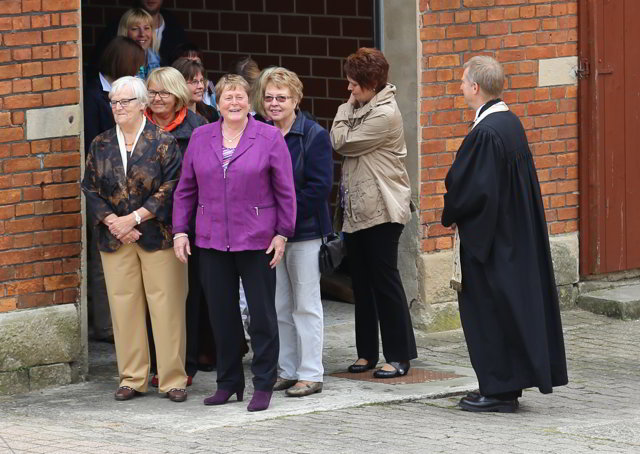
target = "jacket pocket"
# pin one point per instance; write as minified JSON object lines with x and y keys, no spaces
{"x":365,"y":201}
{"x":203,"y":221}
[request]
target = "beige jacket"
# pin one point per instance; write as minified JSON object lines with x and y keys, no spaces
{"x":375,"y":186}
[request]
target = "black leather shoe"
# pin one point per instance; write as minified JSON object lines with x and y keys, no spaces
{"x":480,"y":403}
{"x":401,"y":369}
{"x":358,"y":368}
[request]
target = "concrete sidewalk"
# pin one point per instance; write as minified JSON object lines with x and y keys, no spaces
{"x":599,"y":411}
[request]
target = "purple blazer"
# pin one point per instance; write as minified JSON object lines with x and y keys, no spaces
{"x":244,"y":209}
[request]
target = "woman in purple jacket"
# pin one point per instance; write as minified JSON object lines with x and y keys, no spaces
{"x":237,"y":177}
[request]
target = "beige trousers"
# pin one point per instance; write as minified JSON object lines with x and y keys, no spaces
{"x":136,"y":278}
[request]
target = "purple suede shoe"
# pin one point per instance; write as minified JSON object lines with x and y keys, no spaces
{"x":259,"y":401}
{"x":222,"y":396}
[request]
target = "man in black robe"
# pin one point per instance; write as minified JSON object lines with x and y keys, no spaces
{"x":508,"y":300}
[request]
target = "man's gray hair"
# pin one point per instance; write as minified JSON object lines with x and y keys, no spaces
{"x":137,"y":87}
{"x":487,"y":72}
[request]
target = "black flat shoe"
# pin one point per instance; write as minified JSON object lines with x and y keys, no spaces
{"x":401,"y":369}
{"x":480,"y":403}
{"x":358,"y":368}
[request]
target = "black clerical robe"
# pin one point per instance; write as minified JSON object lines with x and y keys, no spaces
{"x":509,"y":302}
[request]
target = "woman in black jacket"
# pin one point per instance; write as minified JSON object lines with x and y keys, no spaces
{"x":298,"y":303}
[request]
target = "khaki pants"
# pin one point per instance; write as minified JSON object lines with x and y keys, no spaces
{"x":136,"y":278}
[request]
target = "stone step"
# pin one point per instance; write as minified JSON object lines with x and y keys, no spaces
{"x":620,"y":302}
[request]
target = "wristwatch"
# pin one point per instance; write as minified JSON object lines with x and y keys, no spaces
{"x":138,"y":218}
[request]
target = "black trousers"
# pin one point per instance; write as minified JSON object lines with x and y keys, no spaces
{"x":198,"y":323}
{"x":379,"y":294}
{"x":219,"y":274}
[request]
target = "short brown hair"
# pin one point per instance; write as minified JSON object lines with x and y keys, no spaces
{"x":231,"y":81}
{"x":247,"y":68}
{"x":189,"y":68}
{"x":122,"y":57}
{"x":487,"y":72}
{"x":368,"y":67}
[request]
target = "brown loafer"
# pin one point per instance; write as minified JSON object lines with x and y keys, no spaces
{"x":305,"y":390}
{"x":125,"y":393}
{"x":177,"y":395}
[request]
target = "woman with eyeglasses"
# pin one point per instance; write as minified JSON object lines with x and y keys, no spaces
{"x":193,"y":72}
{"x":130,"y":175}
{"x":169,"y":97}
{"x":122,"y":57}
{"x":298,"y":303}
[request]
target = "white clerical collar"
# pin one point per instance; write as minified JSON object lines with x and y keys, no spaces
{"x":478,"y":110}
{"x":106,"y":86}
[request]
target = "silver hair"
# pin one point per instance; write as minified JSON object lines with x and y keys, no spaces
{"x":137,"y":87}
{"x":487,"y":72}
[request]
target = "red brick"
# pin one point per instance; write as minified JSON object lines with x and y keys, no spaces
{"x":494,"y":28}
{"x":10,"y":71}
{"x":31,"y":69}
{"x":24,"y":101}
{"x":25,"y":209}
{"x":35,"y":300}
{"x":17,"y":118}
{"x":21,"y":85}
{"x":58,"y":251}
{"x":31,"y":5}
{"x":22,"y":38}
{"x":60,"y":282}
{"x":23,"y":225}
{"x":7,"y":212}
{"x":62,"y":221}
{"x":69,"y":19}
{"x":8,"y":304}
{"x":21,"y":164}
{"x":59,"y":35}
{"x":444,"y":60}
{"x":21,"y":179}
{"x":57,"y":191}
{"x":60,"y":66}
{"x":61,"y":97}
{"x":436,"y":5}
{"x":60,"y":5}
{"x":11,"y":134}
{"x":460,"y":31}
{"x":42,"y":52}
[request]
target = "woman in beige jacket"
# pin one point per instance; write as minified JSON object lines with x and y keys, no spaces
{"x":375,"y":199}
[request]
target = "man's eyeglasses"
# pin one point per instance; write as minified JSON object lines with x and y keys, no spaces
{"x":163,"y":94}
{"x":278,"y":98}
{"x":123,"y":102}
{"x":196,"y":82}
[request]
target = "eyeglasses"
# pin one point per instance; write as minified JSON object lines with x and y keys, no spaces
{"x":279,"y":98}
{"x":123,"y":102}
{"x":196,"y":82}
{"x":162,"y":94}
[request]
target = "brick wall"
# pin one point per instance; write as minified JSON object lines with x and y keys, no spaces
{"x":518,"y":33}
{"x":40,"y":220}
{"x":309,"y":37}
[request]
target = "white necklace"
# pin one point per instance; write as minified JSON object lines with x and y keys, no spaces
{"x":234,"y":137}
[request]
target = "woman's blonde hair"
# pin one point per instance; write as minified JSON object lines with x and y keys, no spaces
{"x":281,"y":78}
{"x":231,"y":81}
{"x":170,"y":79}
{"x":135,"y":16}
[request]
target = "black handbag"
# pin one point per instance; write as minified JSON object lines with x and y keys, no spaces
{"x":332,"y":251}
